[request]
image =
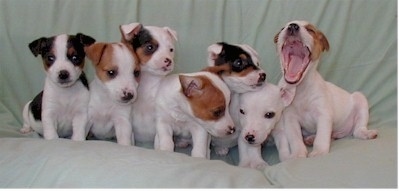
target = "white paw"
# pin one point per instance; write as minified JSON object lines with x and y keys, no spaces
{"x":26,"y":129}
{"x":365,"y":134}
{"x":221,"y":151}
{"x":316,"y":153}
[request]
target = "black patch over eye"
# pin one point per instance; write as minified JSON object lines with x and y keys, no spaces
{"x":76,"y":60}
{"x":150,"y":48}
{"x":269,"y":115}
{"x":136,"y":73}
{"x":239,"y":64}
{"x":242,"y":111}
{"x":218,"y":112}
{"x":112,"y":73}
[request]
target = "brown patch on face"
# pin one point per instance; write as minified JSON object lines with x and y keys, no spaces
{"x":75,"y":58}
{"x":101,"y":55}
{"x":145,"y":51}
{"x":243,"y":72}
{"x":319,"y":40}
{"x":207,"y":102}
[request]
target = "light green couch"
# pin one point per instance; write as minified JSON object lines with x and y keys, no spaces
{"x":363,"y":56}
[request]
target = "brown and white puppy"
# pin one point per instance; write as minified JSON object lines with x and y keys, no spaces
{"x":155,"y":49}
{"x":238,"y":66}
{"x":320,"y":110}
{"x":60,"y":110}
{"x":113,"y":91}
{"x":192,"y":105}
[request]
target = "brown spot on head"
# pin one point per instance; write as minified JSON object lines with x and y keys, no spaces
{"x":319,"y":40}
{"x":101,"y":56}
{"x":207,"y":101}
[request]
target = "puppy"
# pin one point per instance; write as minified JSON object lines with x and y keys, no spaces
{"x":60,"y":110}
{"x":238,"y":66}
{"x":195,"y":105}
{"x":260,"y":111}
{"x":320,"y":108}
{"x":113,"y":91}
{"x":155,"y":49}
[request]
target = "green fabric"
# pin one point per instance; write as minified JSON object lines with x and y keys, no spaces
{"x":362,"y":57}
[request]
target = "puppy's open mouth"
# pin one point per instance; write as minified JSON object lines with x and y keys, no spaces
{"x":296,"y":58}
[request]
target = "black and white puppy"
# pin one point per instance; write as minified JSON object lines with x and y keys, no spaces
{"x":60,"y":110}
{"x":238,"y":66}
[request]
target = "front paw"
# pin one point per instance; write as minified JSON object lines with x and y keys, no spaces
{"x":316,"y":153}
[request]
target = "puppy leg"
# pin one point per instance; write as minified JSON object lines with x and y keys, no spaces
{"x":293,"y":133}
{"x":164,"y":136}
{"x":201,"y":142}
{"x":250,"y":156}
{"x":123,"y":131}
{"x":362,"y":116}
{"x":25,"y":114}
{"x":79,"y":125}
{"x":322,"y":141}
{"x":49,"y":126}
{"x":281,"y":141}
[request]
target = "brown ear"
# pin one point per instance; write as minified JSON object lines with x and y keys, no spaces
{"x":219,"y":70}
{"x":324,"y":41}
{"x":94,"y":52}
{"x":191,"y":85}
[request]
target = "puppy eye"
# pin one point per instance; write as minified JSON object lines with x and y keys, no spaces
{"x":75,"y":59}
{"x":218,"y":113}
{"x":237,"y":63}
{"x":310,"y":30}
{"x":50,"y":59}
{"x":269,"y":115}
{"x":149,"y":48}
{"x":242,"y":111}
{"x":112,"y":73}
{"x":136,"y":73}
{"x":171,"y":50}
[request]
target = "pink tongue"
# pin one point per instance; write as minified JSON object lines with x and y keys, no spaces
{"x":295,"y":68}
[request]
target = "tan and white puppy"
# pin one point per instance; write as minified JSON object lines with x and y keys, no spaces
{"x":260,"y":111}
{"x":60,"y":110}
{"x":113,"y":91}
{"x":192,"y":105}
{"x":320,"y":110}
{"x":155,"y":49}
{"x":238,"y":66}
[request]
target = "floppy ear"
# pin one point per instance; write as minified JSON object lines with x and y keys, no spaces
{"x":84,"y":39}
{"x":218,"y":70}
{"x":287,"y":95}
{"x":171,"y":32}
{"x":250,"y":49}
{"x":213,"y":51}
{"x":95,"y":51}
{"x":191,"y":85}
{"x":37,"y":45}
{"x":324,"y":41}
{"x":128,"y":31}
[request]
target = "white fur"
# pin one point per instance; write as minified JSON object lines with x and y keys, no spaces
{"x":64,"y":106}
{"x":109,"y":114}
{"x":153,"y":73}
{"x":323,"y":110}
{"x":175,"y":117}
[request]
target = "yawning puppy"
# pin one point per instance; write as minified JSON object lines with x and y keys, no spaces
{"x":60,"y":110}
{"x":155,"y":49}
{"x":192,"y":105}
{"x":113,"y":91}
{"x":238,"y":66}
{"x":323,"y":110}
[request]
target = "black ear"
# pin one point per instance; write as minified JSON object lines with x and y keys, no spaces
{"x":85,"y":40}
{"x":37,"y":46}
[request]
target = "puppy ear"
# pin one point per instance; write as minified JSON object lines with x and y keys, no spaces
{"x":324,"y":41}
{"x":191,"y":85}
{"x":250,"y":50}
{"x":171,"y":32}
{"x":85,"y":39}
{"x":128,"y":31}
{"x":37,"y":46}
{"x":218,"y":70}
{"x":276,"y":37}
{"x":213,"y":51}
{"x":287,"y":95}
{"x":94,"y":52}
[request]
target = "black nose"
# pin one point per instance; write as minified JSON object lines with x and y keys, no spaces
{"x":231,"y":130}
{"x":127,"y":96}
{"x":250,"y":139}
{"x":168,"y":62}
{"x":293,"y":28}
{"x":63,"y":75}
{"x":262,"y":77}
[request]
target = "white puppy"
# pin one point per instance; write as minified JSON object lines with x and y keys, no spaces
{"x":192,"y":105}
{"x":155,"y":49}
{"x":238,"y":66}
{"x":113,"y":91}
{"x":260,"y":111}
{"x":321,"y":109}
{"x":60,"y":110}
